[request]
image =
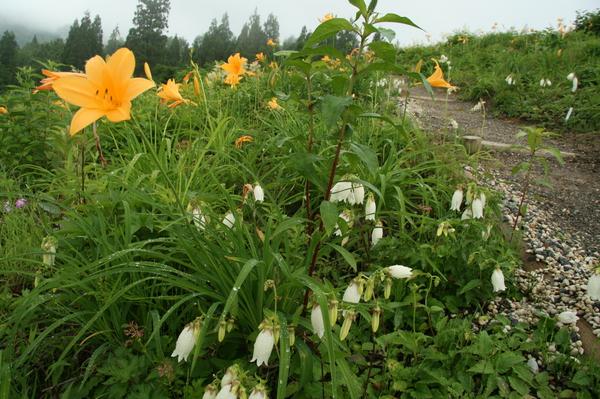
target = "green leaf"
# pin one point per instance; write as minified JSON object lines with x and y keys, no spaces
{"x":482,"y":367}
{"x":332,"y":108}
{"x":329,"y":215}
{"x":360,"y":4}
{"x":367,"y":155}
{"x":287,"y":224}
{"x":346,"y":254}
{"x":389,"y":17}
{"x":385,"y":50}
{"x":322,"y":50}
{"x":554,"y":151}
{"x":302,"y":65}
{"x":328,"y":29}
{"x":506,"y":361}
{"x":303,"y":163}
{"x":388,"y":33}
{"x":518,"y":385}
{"x":469,"y":286}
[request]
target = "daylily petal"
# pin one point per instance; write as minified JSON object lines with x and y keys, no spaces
{"x":137,"y":86}
{"x":122,"y":65}
{"x":77,"y":91}
{"x":120,"y":114}
{"x":84,"y":117}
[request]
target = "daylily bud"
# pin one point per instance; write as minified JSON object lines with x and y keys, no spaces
{"x":375,"y":318}
{"x":333,"y":310}
{"x":349,"y":318}
{"x":222,"y":329}
{"x":387,"y":290}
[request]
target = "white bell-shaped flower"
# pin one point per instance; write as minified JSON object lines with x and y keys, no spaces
{"x":377,"y":233}
{"x":370,"y":208}
{"x":498,"y":280}
{"x":399,"y":271}
{"x":457,"y":198}
{"x":477,"y":208}
{"x":263,"y":347}
{"x":259,"y":193}
{"x":186,"y":341}
{"x":316,"y":319}
{"x":593,"y":287}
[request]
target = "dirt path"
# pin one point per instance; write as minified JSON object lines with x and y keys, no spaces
{"x":573,"y":200}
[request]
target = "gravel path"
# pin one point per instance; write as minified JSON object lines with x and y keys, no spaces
{"x":561,"y":241}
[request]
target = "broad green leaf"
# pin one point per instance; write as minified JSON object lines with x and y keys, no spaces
{"x":469,"y":286}
{"x":360,"y":4}
{"x":348,"y":257}
{"x":369,"y":29}
{"x":506,"y":361}
{"x":389,"y":17}
{"x":387,"y":33}
{"x":367,"y":155}
{"x":329,"y":215}
{"x":332,"y":108}
{"x":483,"y":367}
{"x":303,"y":163}
{"x":385,"y":50}
{"x":554,"y":151}
{"x":328,"y":29}
{"x":322,"y":50}
{"x":287,"y":224}
{"x":302,"y":65}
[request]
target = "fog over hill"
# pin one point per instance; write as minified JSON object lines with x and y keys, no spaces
{"x":24,"y":33}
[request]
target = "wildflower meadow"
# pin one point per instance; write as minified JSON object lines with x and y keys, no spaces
{"x":267,"y":227}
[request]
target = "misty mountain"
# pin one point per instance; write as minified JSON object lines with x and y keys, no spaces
{"x":24,"y":34}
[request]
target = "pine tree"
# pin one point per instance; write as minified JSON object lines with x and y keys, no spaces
{"x":146,"y":38}
{"x":115,"y":41}
{"x":9,"y":53}
{"x":84,"y":41}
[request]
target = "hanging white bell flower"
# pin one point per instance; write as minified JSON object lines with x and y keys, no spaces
{"x":258,"y":392}
{"x":571,"y":76}
{"x":575,"y":84}
{"x":340,"y":191}
{"x":259,"y":193}
{"x":227,"y":392}
{"x":49,"y":245}
{"x":593,"y":287}
{"x":457,"y":198}
{"x":399,"y":271}
{"x":186,"y":341}
{"x":510,"y":80}
{"x":316,"y":319}
{"x":229,"y":220}
{"x":483,"y":199}
{"x":347,"y":215}
{"x":567,"y":317}
{"x":358,"y":194}
{"x":377,"y":233}
{"x":467,"y":214}
{"x":498,"y":280}
{"x":263,"y":347}
{"x":352,"y":293}
{"x":370,"y":207}
{"x":210,"y":392}
{"x":477,"y":208}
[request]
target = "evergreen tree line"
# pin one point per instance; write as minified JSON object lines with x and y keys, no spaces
{"x":147,"y":40}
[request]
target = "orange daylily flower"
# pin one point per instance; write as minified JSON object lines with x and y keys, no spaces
{"x":273,"y":103}
{"x":235,"y":67}
{"x":187,"y":77}
{"x":3,"y":110}
{"x":271,"y":43}
{"x":274,"y":65}
{"x":260,"y":57}
{"x":170,"y":92}
{"x":51,"y":77}
{"x":327,"y":17}
{"x":239,"y":142}
{"x":107,"y":91}
{"x":437,"y":79}
{"x":147,"y":71}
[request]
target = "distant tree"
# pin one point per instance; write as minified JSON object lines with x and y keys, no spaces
{"x":146,"y":38}
{"x":304,"y":35}
{"x":217,"y":44}
{"x":346,"y":41}
{"x":271,"y":29}
{"x":173,"y":52}
{"x":115,"y":41}
{"x":9,"y":54}
{"x":289,"y":43}
{"x":588,"y":22}
{"x":253,"y":39}
{"x":83,"y":42}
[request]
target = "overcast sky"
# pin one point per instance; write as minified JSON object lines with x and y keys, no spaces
{"x":190,"y":18}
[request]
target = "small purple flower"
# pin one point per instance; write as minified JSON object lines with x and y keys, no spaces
{"x":21,"y":202}
{"x":7,"y":207}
